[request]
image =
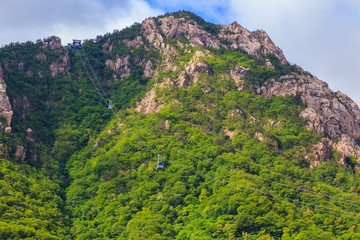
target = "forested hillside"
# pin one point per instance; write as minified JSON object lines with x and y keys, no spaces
{"x":253,"y":147}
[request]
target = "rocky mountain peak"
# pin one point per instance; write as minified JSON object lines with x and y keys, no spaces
{"x":331,"y":114}
{"x":53,"y":43}
{"x":255,"y":43}
{"x":233,"y":36}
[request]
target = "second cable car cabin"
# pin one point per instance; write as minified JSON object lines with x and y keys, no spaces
{"x":76,"y":45}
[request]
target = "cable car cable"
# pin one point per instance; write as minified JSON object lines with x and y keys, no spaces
{"x":92,"y":70}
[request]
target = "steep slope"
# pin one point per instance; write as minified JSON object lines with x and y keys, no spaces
{"x":333,"y":115}
{"x":254,"y":148}
{"x":53,"y":111}
{"x":236,"y":164}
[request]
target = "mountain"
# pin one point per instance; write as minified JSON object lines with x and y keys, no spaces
{"x":252,"y":146}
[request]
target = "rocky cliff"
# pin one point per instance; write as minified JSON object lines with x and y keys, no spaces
{"x":332,"y":114}
{"x":5,"y":108}
{"x":27,"y":73}
{"x":232,"y":36}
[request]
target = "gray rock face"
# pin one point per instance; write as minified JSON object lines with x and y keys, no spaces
{"x":148,"y":104}
{"x":29,"y":135}
{"x":20,"y":153}
{"x":5,"y":108}
{"x":256,"y":43}
{"x":137,"y":42}
{"x":195,"y":66}
{"x":321,"y":152}
{"x":53,"y":42}
{"x":120,"y":65}
{"x":60,"y":67}
{"x":173,"y":27}
{"x":151,"y":32}
{"x":238,"y":74}
{"x":148,"y":70}
{"x":333,"y":114}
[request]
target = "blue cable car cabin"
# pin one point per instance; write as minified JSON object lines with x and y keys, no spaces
{"x":76,"y":45}
{"x":110,"y":106}
{"x":160,"y":163}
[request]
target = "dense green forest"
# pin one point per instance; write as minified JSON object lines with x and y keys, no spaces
{"x":235,"y":162}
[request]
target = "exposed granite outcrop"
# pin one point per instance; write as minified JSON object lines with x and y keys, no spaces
{"x":238,"y":74}
{"x":173,"y":27}
{"x":120,"y":65}
{"x":256,"y":43}
{"x":53,"y":43}
{"x":334,"y":115}
{"x":61,"y":66}
{"x":148,"y":103}
{"x":5,"y":108}
{"x":135,"y":43}
{"x":148,"y":70}
{"x":321,"y":152}
{"x":20,"y":152}
{"x":151,"y":32}
{"x":196,"y":66}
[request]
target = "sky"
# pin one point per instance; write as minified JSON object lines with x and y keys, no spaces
{"x":322,"y":36}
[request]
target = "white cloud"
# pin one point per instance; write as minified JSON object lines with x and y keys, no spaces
{"x":23,"y":20}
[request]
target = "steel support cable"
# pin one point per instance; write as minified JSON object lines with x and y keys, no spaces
{"x":95,"y":76}
{"x":92,"y":81}
{"x":114,"y":112}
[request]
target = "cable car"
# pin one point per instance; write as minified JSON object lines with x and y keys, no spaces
{"x":76,"y":45}
{"x":160,"y":163}
{"x":110,"y":106}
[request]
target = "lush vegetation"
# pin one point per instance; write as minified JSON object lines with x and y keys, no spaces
{"x":30,"y":206}
{"x":220,"y":180}
{"x":236,"y":164}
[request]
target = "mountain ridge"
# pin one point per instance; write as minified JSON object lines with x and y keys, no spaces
{"x":253,"y":147}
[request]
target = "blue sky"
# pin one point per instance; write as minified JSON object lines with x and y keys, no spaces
{"x":322,"y":36}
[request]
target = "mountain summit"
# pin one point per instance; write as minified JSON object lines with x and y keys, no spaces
{"x":173,"y":128}
{"x":334,"y":115}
